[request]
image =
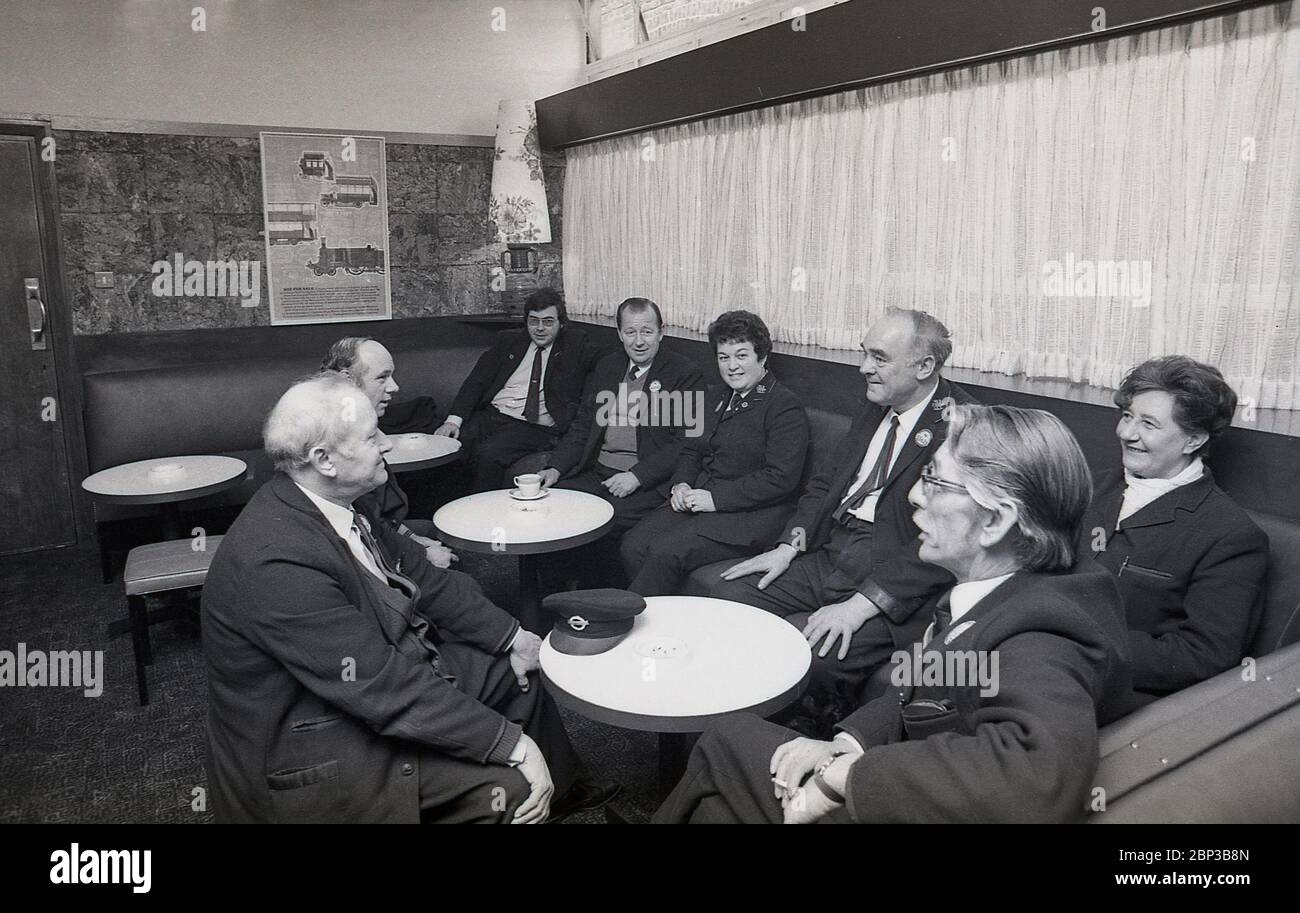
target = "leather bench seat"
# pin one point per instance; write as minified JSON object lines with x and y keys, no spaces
{"x":208,"y":392}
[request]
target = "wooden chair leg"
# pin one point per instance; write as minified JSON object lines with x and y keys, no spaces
{"x":140,"y":643}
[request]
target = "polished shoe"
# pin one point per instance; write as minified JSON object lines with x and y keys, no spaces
{"x":584,"y":796}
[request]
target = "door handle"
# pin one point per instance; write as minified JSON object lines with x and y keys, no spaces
{"x":36,"y":314}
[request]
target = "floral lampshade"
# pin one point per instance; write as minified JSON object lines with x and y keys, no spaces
{"x":518,"y":204}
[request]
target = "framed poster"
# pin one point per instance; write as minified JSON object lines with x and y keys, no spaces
{"x":325,"y":200}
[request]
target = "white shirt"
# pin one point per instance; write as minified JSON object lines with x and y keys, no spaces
{"x":633,"y":366}
{"x":965,"y":596}
{"x":906,"y":422}
{"x":1138,"y":493}
{"x":511,"y":399}
{"x":340,"y":518}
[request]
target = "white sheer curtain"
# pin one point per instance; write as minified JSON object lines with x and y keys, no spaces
{"x":957,"y":193}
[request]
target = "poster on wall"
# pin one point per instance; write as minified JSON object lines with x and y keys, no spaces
{"x":325,"y":208}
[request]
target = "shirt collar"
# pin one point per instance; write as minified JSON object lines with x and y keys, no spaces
{"x":965,"y":596}
{"x":340,"y":518}
{"x":1194,"y":470}
{"x":907,"y":420}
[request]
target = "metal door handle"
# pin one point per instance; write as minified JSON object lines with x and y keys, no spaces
{"x":36,"y":314}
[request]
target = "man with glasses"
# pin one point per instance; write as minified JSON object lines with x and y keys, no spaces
{"x":523,"y":393}
{"x":846,"y":571}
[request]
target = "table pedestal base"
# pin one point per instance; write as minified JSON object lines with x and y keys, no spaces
{"x":674,"y":747}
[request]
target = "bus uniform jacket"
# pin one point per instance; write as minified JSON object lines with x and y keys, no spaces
{"x":750,"y":459}
{"x":567,"y":367}
{"x":658,"y":446}
{"x":311,"y":678}
{"x":1190,"y":567}
{"x":894,"y":577}
{"x":1027,"y":753}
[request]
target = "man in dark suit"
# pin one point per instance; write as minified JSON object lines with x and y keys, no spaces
{"x":522,"y":393}
{"x":369,"y":365}
{"x":733,"y":485}
{"x":1189,"y":561}
{"x":640,"y":407}
{"x":349,"y":679}
{"x":846,"y":570}
{"x":994,"y":717}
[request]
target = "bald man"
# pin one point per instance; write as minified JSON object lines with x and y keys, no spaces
{"x":349,"y":679}
{"x":369,"y":365}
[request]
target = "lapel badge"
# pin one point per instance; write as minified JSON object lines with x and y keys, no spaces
{"x":924,"y":437}
{"x":762,"y":388}
{"x":957,"y":632}
{"x":943,"y":405}
{"x":655,"y":386}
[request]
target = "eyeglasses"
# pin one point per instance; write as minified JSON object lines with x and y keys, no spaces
{"x":930,"y":481}
{"x":547,"y":322}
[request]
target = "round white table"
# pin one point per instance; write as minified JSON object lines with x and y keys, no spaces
{"x":688,"y":661}
{"x":166,"y":481}
{"x":494,"y":523}
{"x":421,"y":451}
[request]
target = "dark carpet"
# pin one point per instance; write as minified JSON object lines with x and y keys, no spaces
{"x":68,"y":758}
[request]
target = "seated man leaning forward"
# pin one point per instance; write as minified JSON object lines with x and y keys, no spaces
{"x":522,"y":393}
{"x":845,"y":570}
{"x":734,"y":484}
{"x":348,"y":678}
{"x":639,"y":407}
{"x":996,"y":712}
{"x":368,"y":364}
{"x":1189,"y":562}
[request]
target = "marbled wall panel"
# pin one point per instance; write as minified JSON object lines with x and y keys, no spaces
{"x":130,"y":199}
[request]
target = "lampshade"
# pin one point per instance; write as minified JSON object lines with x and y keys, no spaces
{"x":518,"y":204}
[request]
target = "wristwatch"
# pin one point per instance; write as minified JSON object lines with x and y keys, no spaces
{"x":819,"y":780}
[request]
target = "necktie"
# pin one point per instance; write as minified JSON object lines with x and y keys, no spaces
{"x":875,"y":479}
{"x":942,"y":618}
{"x":631,"y":374}
{"x":735,"y":398}
{"x":532,"y":405}
{"x":395,"y":578}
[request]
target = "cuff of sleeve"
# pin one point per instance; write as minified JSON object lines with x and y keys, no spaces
{"x":454,"y":420}
{"x":508,"y":640}
{"x":506,"y":742}
{"x":892,"y":609}
{"x":849,"y":740}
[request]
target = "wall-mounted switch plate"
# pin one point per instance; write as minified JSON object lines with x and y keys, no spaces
{"x":103,"y":280}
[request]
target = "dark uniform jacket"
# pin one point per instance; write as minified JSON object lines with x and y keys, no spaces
{"x":750,"y":459}
{"x":1190,"y":567}
{"x":316,"y":705}
{"x":895,"y":578}
{"x":658,"y":446}
{"x":567,"y":367}
{"x":1025,"y":754}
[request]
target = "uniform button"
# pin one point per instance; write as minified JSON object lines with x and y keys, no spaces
{"x":408,"y":769}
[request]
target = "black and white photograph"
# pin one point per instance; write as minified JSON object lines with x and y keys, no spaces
{"x":651,"y":412}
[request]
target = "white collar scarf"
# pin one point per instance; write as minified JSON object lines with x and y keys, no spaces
{"x":1138,"y":493}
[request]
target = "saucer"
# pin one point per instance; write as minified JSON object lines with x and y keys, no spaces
{"x":520,"y":496}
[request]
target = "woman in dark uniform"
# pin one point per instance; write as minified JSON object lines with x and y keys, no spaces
{"x":1190,"y":562}
{"x":735,"y":483}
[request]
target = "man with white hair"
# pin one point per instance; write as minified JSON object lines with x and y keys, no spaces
{"x":349,"y":679}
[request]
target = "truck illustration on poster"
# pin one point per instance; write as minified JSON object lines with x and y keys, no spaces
{"x":325,"y":207}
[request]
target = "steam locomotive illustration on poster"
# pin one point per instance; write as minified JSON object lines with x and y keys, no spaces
{"x":352,"y":260}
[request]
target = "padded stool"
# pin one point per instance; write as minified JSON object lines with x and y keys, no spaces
{"x":160,"y":568}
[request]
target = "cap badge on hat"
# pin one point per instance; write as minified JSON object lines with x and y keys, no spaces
{"x":578,"y":623}
{"x":924,"y":437}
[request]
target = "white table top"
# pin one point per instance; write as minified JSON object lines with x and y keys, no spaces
{"x":420,"y":451}
{"x":494,"y":522}
{"x":165,"y":479}
{"x":687,"y":661}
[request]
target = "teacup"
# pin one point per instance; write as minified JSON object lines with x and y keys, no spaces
{"x":529,"y":484}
